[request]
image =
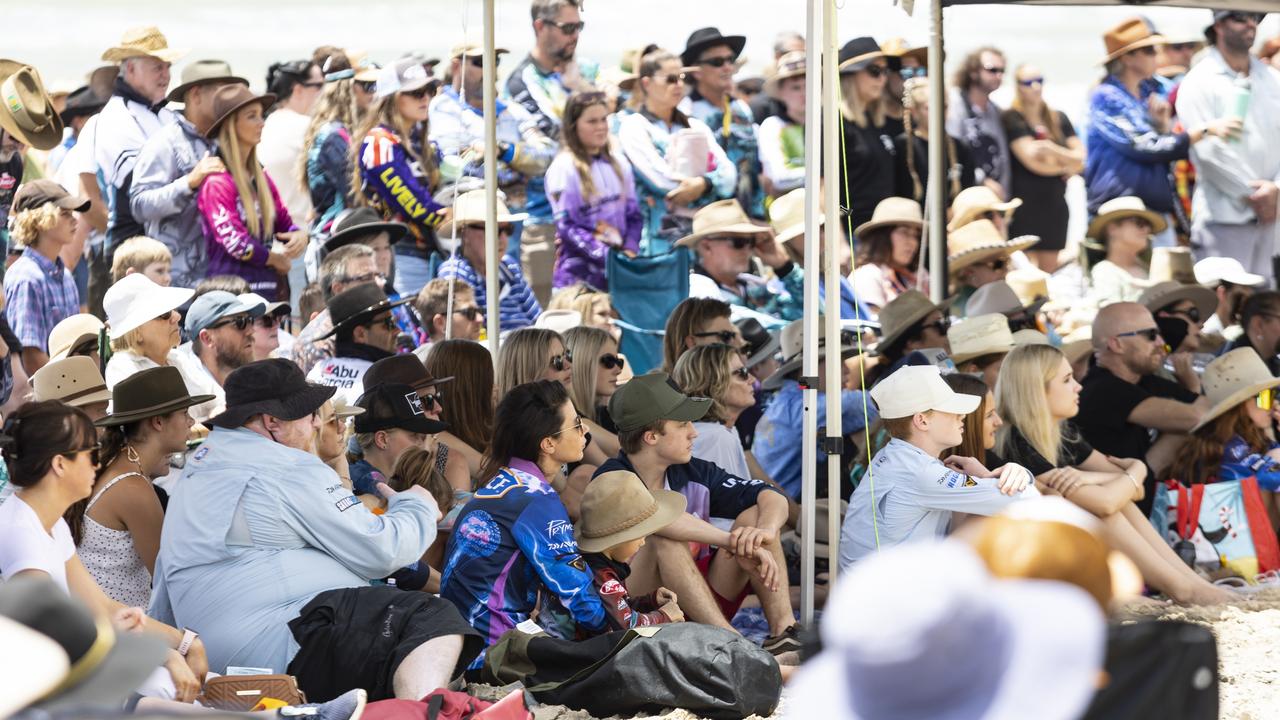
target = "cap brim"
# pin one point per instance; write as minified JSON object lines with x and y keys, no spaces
{"x":418,"y":424}
{"x":691,"y":409}
{"x":671,"y":505}
{"x":958,"y":404}
{"x":127,"y":665}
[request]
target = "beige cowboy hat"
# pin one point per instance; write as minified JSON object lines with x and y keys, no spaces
{"x":26,"y":110}
{"x":469,"y":209}
{"x":72,"y":332}
{"x":972,"y":202}
{"x":897,"y":47}
{"x":980,"y":241}
{"x":722,"y":217}
{"x":792,"y":342}
{"x":1231,"y":379}
{"x":900,"y":313}
{"x":979,"y":335}
{"x":1120,"y":208}
{"x":1132,"y":34}
{"x":786,"y":215}
{"x":1029,"y":284}
{"x":792,"y":64}
{"x":618,"y":508}
{"x":145,"y":41}
{"x":75,"y":381}
{"x":1163,"y":294}
{"x":891,"y":212}
{"x":204,"y":72}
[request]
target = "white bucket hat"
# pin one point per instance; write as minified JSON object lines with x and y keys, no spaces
{"x":135,"y":299}
{"x":960,"y":645}
{"x":979,"y":335}
{"x":915,"y":389}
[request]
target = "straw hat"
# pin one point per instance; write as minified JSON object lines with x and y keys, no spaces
{"x":73,"y":330}
{"x":26,"y":110}
{"x":1121,"y":208}
{"x":897,"y":47}
{"x":980,"y":241}
{"x":900,"y":313}
{"x":1029,"y":284}
{"x":1163,"y":294}
{"x":204,"y":72}
{"x":1212,"y":271}
{"x":618,"y":508}
{"x":973,"y":202}
{"x":792,"y":343}
{"x":135,"y":299}
{"x":469,"y":209}
{"x":1132,"y":34}
{"x":143,"y":42}
{"x":792,"y":64}
{"x":1233,"y":378}
{"x":892,"y":212}
{"x":786,"y":215}
{"x":1172,"y":263}
{"x":75,"y":381}
{"x":229,"y":99}
{"x":979,"y":335}
{"x":723,"y":217}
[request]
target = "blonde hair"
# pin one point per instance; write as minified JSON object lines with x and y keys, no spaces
{"x":704,"y":371}
{"x":336,"y":104}
{"x":129,"y":342}
{"x":586,"y":344}
{"x":1021,"y":401}
{"x":136,"y":254}
{"x":915,"y":92}
{"x":581,"y":298}
{"x":854,"y":109}
{"x":417,"y":466}
{"x":256,"y":200}
{"x":1046,"y":550}
{"x":26,"y":226}
{"x":384,"y":112}
{"x":1048,"y":118}
{"x":523,"y":357}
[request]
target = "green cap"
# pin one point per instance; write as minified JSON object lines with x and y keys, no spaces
{"x":653,"y":396}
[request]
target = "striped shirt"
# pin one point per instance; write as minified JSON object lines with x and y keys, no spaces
{"x":39,"y":293}
{"x":517,"y":307}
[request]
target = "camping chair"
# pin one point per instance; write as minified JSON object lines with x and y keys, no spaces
{"x":645,"y":291}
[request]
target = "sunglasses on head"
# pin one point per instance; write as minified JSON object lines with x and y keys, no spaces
{"x":470,"y":313}
{"x":240,"y":321}
{"x":1031,"y":82}
{"x":717,"y":62}
{"x":609,"y":361}
{"x":739,"y":242}
{"x":1266,"y":399}
{"x":727,"y":337}
{"x":95,"y":454}
{"x":1148,"y":334}
{"x":558,"y":362}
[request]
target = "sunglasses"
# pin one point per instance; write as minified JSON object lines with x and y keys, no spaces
{"x":502,"y":229}
{"x":240,"y":321}
{"x":876,"y":71}
{"x":568,"y":28}
{"x":95,"y":454}
{"x":576,"y":426}
{"x":907,"y":73}
{"x":420,"y":93}
{"x":1022,"y":323}
{"x":558,"y":362}
{"x":718,"y":62}
{"x":1146,"y":51}
{"x":672,"y":78}
{"x":387,"y":322}
{"x":994,"y":69}
{"x":997,"y":264}
{"x":432,"y":399}
{"x":1266,"y":399}
{"x":1244,"y":17}
{"x":939,"y":325}
{"x":1177,"y":47}
{"x":1031,"y":82}
{"x":470,"y":313}
{"x":609,"y":361}
{"x":270,"y":321}
{"x":1192,"y":314}
{"x":741,"y":373}
{"x":368,"y":87}
{"x":165,"y":316}
{"x":740,"y":242}
{"x":727,"y":337}
{"x":88,"y":347}
{"x":1149,"y":334}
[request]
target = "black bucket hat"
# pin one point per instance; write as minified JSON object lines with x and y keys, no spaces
{"x":858,"y":53}
{"x":353,"y":224}
{"x":149,"y":393}
{"x":706,"y":37}
{"x":82,"y":102}
{"x":351,"y":306}
{"x":393,"y":405}
{"x":273,"y":387}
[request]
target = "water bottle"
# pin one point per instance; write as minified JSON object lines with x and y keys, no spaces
{"x":1241,"y":93}
{"x":1198,"y":362}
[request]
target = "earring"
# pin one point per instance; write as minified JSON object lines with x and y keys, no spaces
{"x":132,"y":455}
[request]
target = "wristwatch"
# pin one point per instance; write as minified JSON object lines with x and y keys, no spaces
{"x":188,"y":636}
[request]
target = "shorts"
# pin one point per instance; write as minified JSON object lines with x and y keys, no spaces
{"x":729,"y":607}
{"x":357,"y":638}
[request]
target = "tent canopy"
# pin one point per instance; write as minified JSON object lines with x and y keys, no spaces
{"x":1262,"y":6}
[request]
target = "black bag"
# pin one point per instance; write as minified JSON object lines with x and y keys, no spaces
{"x":708,"y":671}
{"x":1165,"y":669}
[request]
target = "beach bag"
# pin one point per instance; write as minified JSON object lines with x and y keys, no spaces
{"x":707,"y":671}
{"x":645,"y":291}
{"x":1221,"y":525}
{"x":1165,"y":669}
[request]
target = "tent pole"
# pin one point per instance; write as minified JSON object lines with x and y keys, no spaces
{"x":833,"y":237}
{"x":491,"y":250}
{"x":936,"y":212}
{"x":812,"y":208}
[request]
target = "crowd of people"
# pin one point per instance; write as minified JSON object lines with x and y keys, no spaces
{"x":249,"y":404}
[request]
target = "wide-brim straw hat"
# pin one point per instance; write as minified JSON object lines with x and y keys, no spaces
{"x":1232,"y":379}
{"x":1030,"y":284}
{"x":999,"y":297}
{"x":618,"y":508}
{"x":1120,"y":208}
{"x":897,"y":47}
{"x":72,"y":331}
{"x":792,"y":343}
{"x":143,"y":42}
{"x":149,"y":393}
{"x":135,"y":299}
{"x":26,"y":110}
{"x":204,"y":72}
{"x":892,"y":212}
{"x":979,"y":335}
{"x":901,"y":313}
{"x":980,"y":241}
{"x":469,"y":209}
{"x":723,"y":217}
{"x":1163,"y":294}
{"x":786,"y":215}
{"x":792,"y":64}
{"x":973,"y":202}
{"x":228,"y":100}
{"x":1132,"y":34}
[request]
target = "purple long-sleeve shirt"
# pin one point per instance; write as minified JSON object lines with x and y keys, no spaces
{"x":580,"y":255}
{"x":233,"y":250}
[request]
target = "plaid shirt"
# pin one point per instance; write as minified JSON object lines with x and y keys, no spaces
{"x":39,"y":293}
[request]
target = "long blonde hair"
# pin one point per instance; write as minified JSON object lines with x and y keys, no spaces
{"x":384,"y":112}
{"x":250,"y":179}
{"x":1048,"y":118}
{"x":854,"y":109}
{"x":1021,"y":400}
{"x":704,"y":371}
{"x":912,"y":91}
{"x":336,"y":104}
{"x":523,"y":356}
{"x":585,"y":343}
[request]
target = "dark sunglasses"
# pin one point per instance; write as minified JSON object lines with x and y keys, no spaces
{"x":740,"y":242}
{"x":609,"y":361}
{"x":1031,"y":82}
{"x":876,"y":71}
{"x":240,"y":321}
{"x":421,"y":92}
{"x":1022,"y":323}
{"x":671,"y":78}
{"x":95,"y":454}
{"x":741,"y":373}
{"x":431,"y":399}
{"x":717,"y":62}
{"x":470,"y":313}
{"x":165,"y":316}
{"x":1176,"y":47}
{"x":994,"y":69}
{"x":569,"y":28}
{"x":369,"y":87}
{"x":558,"y":361}
{"x":270,"y":321}
{"x":1192,"y":313}
{"x":88,"y":347}
{"x":726,"y":337}
{"x":387,"y":322}
{"x":1146,"y":51}
{"x":1149,"y":334}
{"x":939,"y":325}
{"x":997,"y":264}
{"x":913,"y":72}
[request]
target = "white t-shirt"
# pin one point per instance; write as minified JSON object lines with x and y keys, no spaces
{"x":346,"y":374}
{"x":24,"y":544}
{"x":719,"y":444}
{"x":280,"y":150}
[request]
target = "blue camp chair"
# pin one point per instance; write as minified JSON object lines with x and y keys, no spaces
{"x":646,"y":290}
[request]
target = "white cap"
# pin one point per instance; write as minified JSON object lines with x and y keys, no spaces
{"x":914,"y":389}
{"x":1213,"y":270}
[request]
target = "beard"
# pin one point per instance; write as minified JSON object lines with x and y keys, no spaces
{"x":234,"y":356}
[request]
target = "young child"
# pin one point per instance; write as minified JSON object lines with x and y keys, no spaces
{"x":915,"y":491}
{"x":145,"y":255}
{"x":617,"y":513}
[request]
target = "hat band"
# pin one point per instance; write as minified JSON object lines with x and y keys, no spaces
{"x":624,"y":525}
{"x":90,"y":660}
{"x":13,"y":101}
{"x":82,"y":393}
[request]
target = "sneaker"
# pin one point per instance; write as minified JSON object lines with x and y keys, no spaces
{"x":788,"y":641}
{"x":348,"y":706}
